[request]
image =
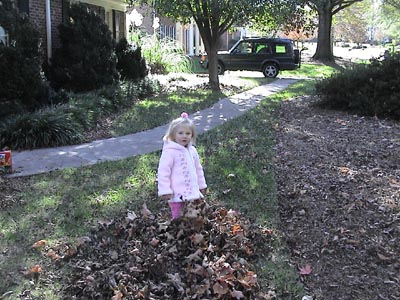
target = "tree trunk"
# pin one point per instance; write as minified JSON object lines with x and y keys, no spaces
{"x":212,"y":68}
{"x":210,"y":34}
{"x":324,"y":49}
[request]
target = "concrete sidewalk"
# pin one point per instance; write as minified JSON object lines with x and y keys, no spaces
{"x":49,"y":159}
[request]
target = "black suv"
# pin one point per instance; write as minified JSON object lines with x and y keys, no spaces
{"x":267,"y":55}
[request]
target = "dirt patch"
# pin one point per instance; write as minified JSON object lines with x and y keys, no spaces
{"x":339,"y":188}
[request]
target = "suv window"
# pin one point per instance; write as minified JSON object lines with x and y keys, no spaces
{"x":244,"y":47}
{"x":262,"y":48}
{"x":282,"y":48}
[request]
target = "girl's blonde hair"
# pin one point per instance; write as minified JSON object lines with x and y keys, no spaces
{"x":183,"y":120}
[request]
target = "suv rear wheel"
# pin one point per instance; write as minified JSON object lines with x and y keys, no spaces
{"x":270,"y":70}
{"x":220,"y":68}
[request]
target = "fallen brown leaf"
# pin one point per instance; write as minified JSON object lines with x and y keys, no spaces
{"x":39,"y":244}
{"x":220,"y":288}
{"x":53,"y":255}
{"x":305,"y":270}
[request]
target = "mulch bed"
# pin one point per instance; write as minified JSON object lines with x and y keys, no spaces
{"x":339,"y":192}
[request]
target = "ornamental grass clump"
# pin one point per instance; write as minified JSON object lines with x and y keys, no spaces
{"x":163,"y":56}
{"x":49,"y":127}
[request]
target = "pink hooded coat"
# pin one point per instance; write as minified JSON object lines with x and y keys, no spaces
{"x":180,"y":172}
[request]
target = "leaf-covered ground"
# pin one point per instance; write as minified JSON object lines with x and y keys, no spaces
{"x":339,"y":187}
{"x":339,"y":191}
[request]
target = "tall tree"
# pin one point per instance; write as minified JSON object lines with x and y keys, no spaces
{"x":390,"y":18}
{"x":213,"y":18}
{"x":283,"y":16}
{"x":326,"y":9}
{"x":393,"y":3}
{"x":351,"y":24}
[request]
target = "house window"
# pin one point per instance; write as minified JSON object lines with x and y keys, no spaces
{"x":23,"y":6}
{"x":3,"y":37}
{"x":107,"y":19}
{"x":118,"y":22}
{"x":167,"y":32}
{"x":98,"y":10}
{"x":65,"y":6}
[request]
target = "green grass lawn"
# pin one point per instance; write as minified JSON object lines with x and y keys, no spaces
{"x":161,"y":108}
{"x":316,"y":71}
{"x":64,"y":205}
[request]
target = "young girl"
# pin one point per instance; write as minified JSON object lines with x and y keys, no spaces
{"x":180,"y":174}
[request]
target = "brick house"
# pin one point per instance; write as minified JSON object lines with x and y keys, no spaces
{"x":48,"y":14}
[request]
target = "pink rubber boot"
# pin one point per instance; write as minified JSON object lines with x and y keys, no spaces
{"x":176,"y":208}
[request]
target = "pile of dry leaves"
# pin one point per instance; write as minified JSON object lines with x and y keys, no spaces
{"x":149,"y":256}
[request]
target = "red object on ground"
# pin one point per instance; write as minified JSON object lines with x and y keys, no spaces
{"x":6,"y":160}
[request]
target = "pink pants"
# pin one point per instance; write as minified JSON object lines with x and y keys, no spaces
{"x":176,"y":209}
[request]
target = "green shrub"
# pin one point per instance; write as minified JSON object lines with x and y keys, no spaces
{"x":130,"y":63}
{"x":371,"y":89}
{"x":86,"y":60}
{"x":116,"y":94}
{"x":146,"y":87}
{"x":134,"y":91}
{"x":77,"y":114}
{"x":90,"y":108}
{"x":64,"y":124}
{"x":20,"y":61}
{"x":162,"y":55}
{"x":49,"y":127}
{"x":58,"y":97}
